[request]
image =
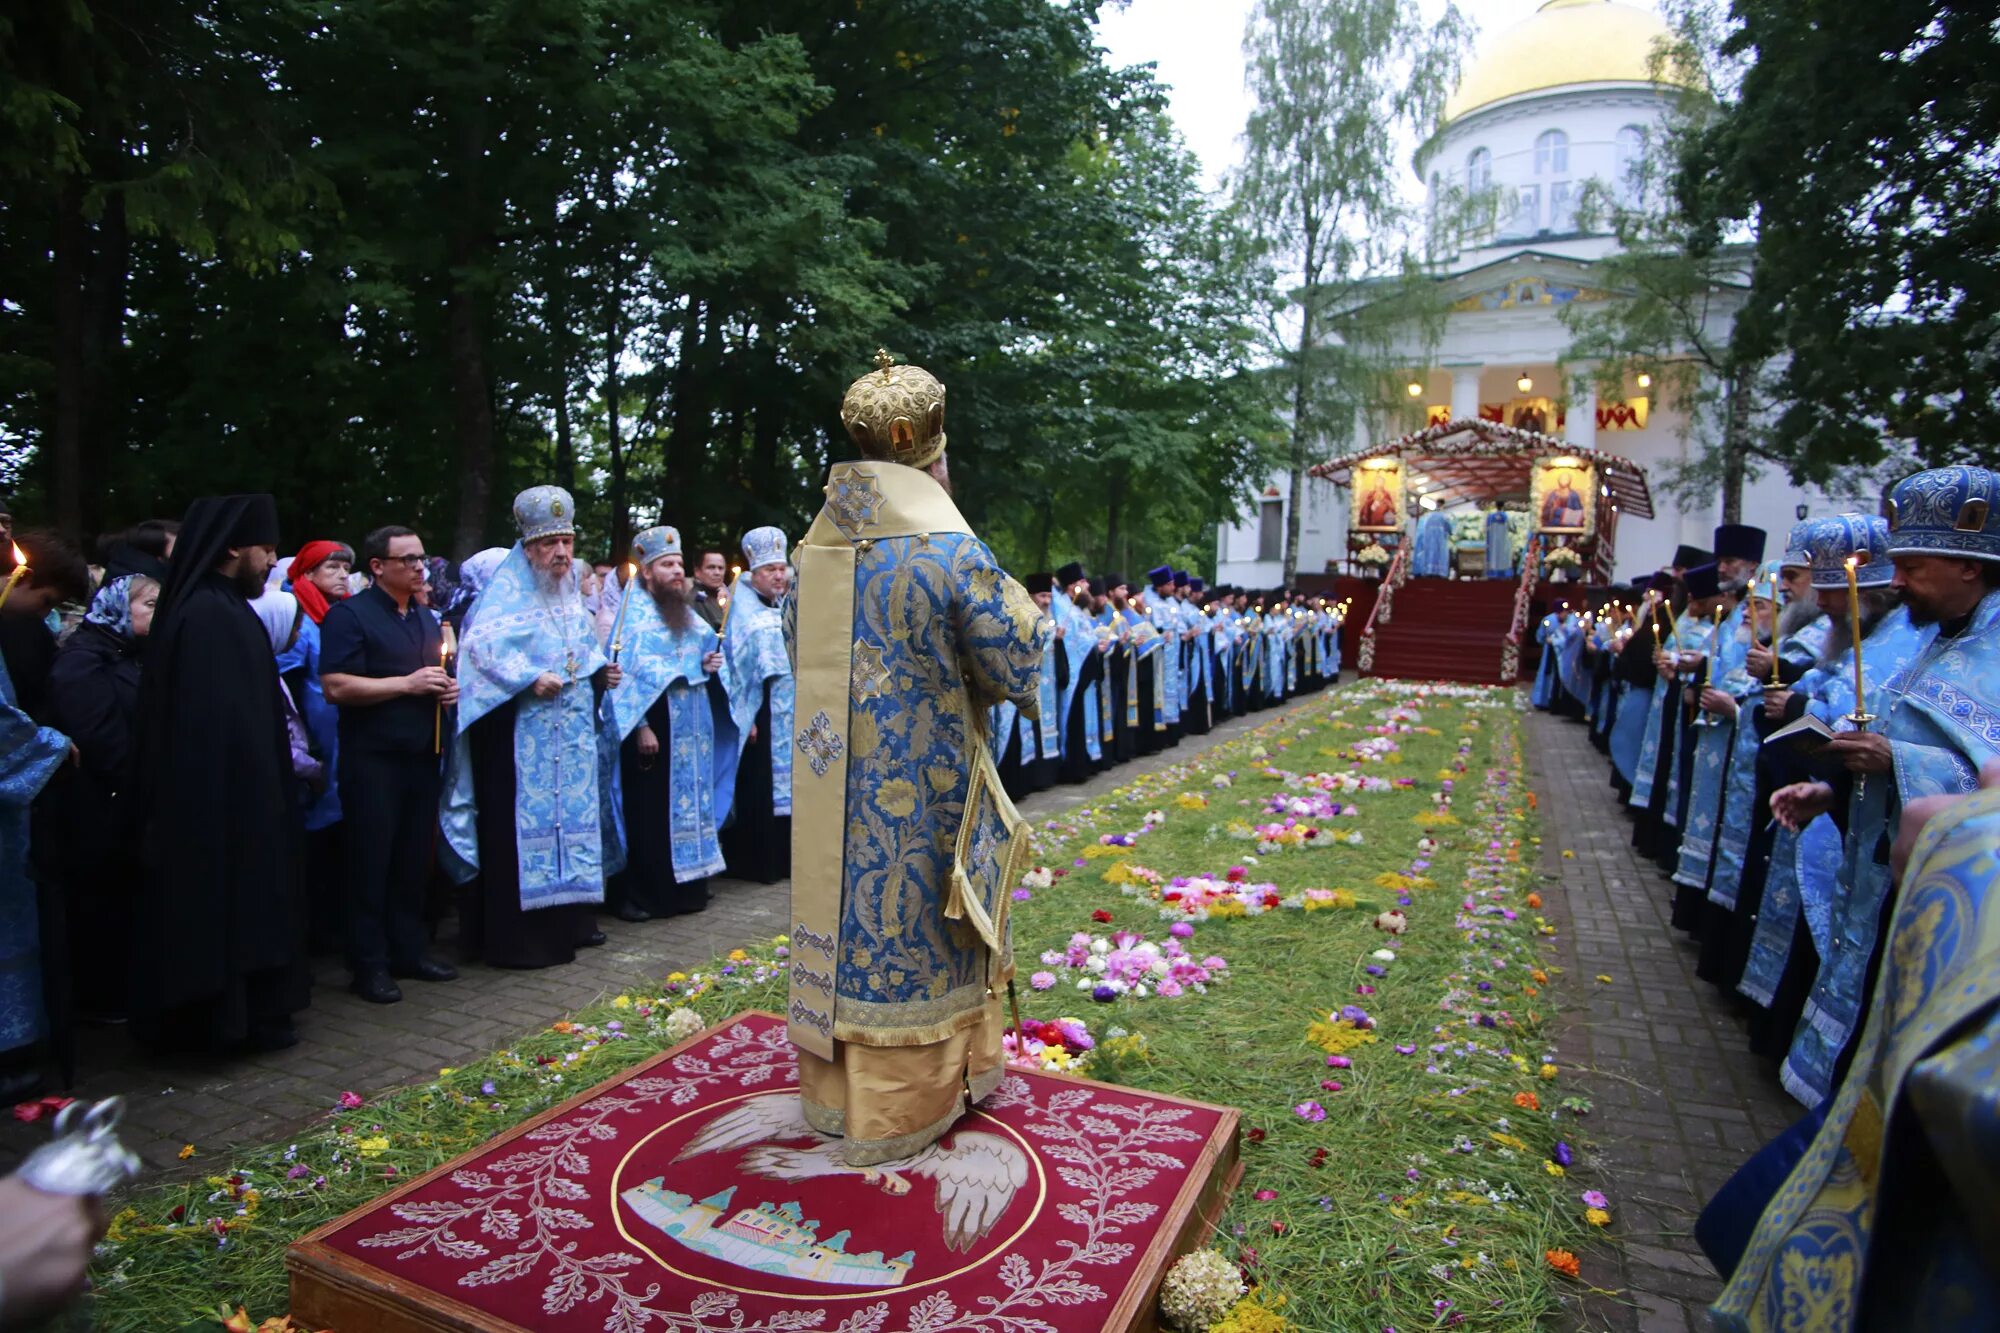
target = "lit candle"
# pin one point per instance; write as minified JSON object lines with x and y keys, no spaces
{"x":20,"y":572}
{"x":1860,"y":713}
{"x":1775,"y":680}
{"x":445,"y":645}
{"x":1714,"y":646}
{"x":728,"y":605}
{"x":624,"y":600}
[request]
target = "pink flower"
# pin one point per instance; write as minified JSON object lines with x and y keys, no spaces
{"x":1329,"y":1085}
{"x":1043,"y":980}
{"x":1309,"y":1111}
{"x":1595,"y":1199}
{"x":1338,"y":1062}
{"x":1180,"y":930}
{"x":350,"y":1100}
{"x":1265,"y":1196}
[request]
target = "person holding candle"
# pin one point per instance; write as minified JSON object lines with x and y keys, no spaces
{"x":1689,"y":646}
{"x":1932,"y":724}
{"x":1725,"y":682}
{"x":711,"y":585}
{"x":758,"y":841}
{"x":31,"y":755}
{"x":382,"y":666}
{"x":524,"y":799}
{"x":677,"y":739}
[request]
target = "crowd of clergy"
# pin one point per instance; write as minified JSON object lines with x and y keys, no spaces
{"x":1130,"y":671}
{"x":216,"y":763}
{"x":1767,"y":764}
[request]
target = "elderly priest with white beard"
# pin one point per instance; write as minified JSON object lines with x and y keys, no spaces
{"x":523,"y":807}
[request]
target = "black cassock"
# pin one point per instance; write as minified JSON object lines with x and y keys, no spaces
{"x":219,"y":929}
{"x":758,"y":842}
{"x":647,"y":882}
{"x":492,"y":924}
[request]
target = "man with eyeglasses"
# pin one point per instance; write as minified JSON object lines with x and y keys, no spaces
{"x":380,"y":664}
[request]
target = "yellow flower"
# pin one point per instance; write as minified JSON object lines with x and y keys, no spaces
{"x":738,"y":956}
{"x":373,"y":1146}
{"x":1597,"y":1217}
{"x":677,"y":976}
{"x":1568,"y":855}
{"x":1507,"y":1140}
{"x":897,"y":797}
{"x":187,"y":1151}
{"x":1547,"y":1071}
{"x":621,"y":1002}
{"x":1552,"y":1168}
{"x":1604,"y":977}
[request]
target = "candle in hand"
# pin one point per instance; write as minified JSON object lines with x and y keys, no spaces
{"x":20,"y":572}
{"x":444,"y":664}
{"x":1860,"y":713}
{"x":624,"y":600}
{"x":1774,"y":629}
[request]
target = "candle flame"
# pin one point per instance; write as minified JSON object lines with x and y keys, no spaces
{"x":1854,"y":561}
{"x":20,"y":556}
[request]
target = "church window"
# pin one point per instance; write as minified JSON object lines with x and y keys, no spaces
{"x":1271,"y":529}
{"x":1631,"y":158}
{"x":1479,"y":170}
{"x":1552,"y":153}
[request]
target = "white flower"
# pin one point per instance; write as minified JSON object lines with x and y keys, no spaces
{"x":1100,"y":945}
{"x":682,"y":1022}
{"x":1384,"y":955}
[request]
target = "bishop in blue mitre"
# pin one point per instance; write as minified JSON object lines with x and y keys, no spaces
{"x":524,"y":805}
{"x":758,"y":840}
{"x":677,"y":741}
{"x":905,"y":849}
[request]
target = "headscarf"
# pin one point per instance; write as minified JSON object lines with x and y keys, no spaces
{"x":279,"y":612}
{"x":111,"y":609}
{"x":310,"y":557}
{"x":474,"y":573}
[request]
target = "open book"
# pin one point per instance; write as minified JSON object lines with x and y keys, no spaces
{"x":1807,"y":737}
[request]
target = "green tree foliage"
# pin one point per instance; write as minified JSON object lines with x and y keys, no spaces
{"x":393,"y":259}
{"x":1861,"y":149}
{"x":1338,"y":84}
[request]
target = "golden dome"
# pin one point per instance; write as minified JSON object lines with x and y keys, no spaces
{"x":1565,"y":42}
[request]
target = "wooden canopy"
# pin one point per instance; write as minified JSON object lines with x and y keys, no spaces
{"x":1483,"y":460}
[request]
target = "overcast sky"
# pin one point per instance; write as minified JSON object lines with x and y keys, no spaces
{"x":1198,"y":47}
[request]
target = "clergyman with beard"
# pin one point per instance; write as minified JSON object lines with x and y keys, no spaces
{"x":221,"y":924}
{"x":677,"y":747}
{"x":522,"y":810}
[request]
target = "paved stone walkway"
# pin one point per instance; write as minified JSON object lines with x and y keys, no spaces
{"x":347,"y":1043}
{"x":1680,"y":1099}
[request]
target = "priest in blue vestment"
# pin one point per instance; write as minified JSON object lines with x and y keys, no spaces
{"x":1431,"y":557}
{"x":526,"y":804}
{"x":677,"y":739}
{"x":1499,"y":546}
{"x":757,"y":841}
{"x":1927,"y":732}
{"x":30,"y":756}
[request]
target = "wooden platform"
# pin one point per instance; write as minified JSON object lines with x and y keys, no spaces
{"x":684,"y":1195}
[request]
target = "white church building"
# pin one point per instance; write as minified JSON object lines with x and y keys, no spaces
{"x":1564,"y":98}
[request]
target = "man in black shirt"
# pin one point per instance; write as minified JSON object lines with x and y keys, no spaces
{"x":380,"y":664}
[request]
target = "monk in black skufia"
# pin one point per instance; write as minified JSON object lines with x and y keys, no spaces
{"x":220,"y":929}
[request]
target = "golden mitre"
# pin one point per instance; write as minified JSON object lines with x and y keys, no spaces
{"x":896,"y":413}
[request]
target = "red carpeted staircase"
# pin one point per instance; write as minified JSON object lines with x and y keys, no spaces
{"x":1445,"y":629}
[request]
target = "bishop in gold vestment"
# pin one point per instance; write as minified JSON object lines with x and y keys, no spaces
{"x":905,"y":632}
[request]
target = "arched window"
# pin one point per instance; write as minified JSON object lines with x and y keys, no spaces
{"x":1552,"y":153}
{"x":1478,"y":170}
{"x":1631,"y":159}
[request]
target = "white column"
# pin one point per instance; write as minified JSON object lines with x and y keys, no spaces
{"x":1465,"y":393}
{"x":1581,"y":429}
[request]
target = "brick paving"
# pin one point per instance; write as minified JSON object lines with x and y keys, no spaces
{"x":347,"y":1043}
{"x":1680,"y":1100}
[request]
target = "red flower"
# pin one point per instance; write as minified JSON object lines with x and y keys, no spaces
{"x":1100,"y":915}
{"x":1318,"y":1158}
{"x":1254,"y":1134}
{"x":1277,"y":1227}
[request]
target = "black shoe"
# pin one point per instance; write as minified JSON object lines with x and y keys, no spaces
{"x":375,"y":987}
{"x":591,"y":941}
{"x":266,"y":1037}
{"x":629,"y":911}
{"x":427,"y":969}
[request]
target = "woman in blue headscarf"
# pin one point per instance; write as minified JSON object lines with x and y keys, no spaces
{"x":93,"y":698}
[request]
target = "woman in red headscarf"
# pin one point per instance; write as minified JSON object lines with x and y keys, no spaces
{"x":319,"y":578}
